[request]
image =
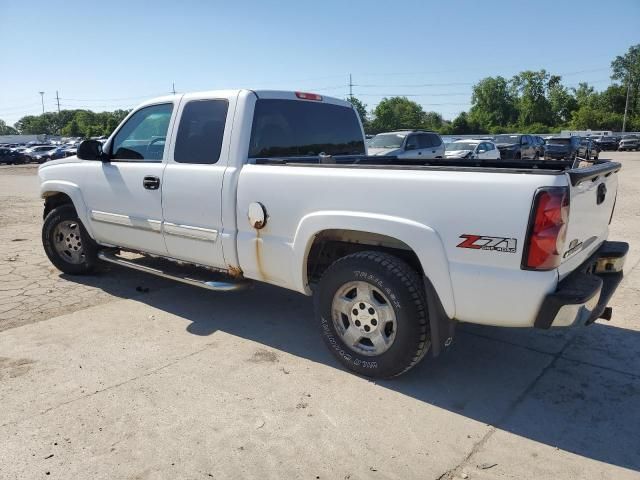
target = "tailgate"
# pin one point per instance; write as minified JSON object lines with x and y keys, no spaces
{"x":593,"y":193}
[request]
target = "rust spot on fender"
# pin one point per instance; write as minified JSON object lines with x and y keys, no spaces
{"x":259,"y":245}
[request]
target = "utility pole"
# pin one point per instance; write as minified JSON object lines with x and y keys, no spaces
{"x":42,"y":98}
{"x":350,"y":88}
{"x":626,"y":103}
{"x":58,"y":100}
{"x":173,"y":87}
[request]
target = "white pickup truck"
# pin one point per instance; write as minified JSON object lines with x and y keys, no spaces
{"x":220,"y":188}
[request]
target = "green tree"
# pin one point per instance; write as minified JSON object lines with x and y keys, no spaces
{"x":561,"y":101}
{"x":626,"y":69}
{"x":72,"y":129}
{"x":461,"y":126}
{"x":432,"y":121}
{"x":7,"y":129}
{"x":492,"y":104}
{"x":584,"y":94}
{"x":395,"y":113}
{"x":533,"y":105}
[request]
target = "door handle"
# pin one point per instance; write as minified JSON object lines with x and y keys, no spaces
{"x":151,"y":183}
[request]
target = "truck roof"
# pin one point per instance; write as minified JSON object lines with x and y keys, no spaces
{"x":262,"y":94}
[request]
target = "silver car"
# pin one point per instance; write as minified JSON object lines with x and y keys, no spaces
{"x":407,"y":144}
{"x":629,"y":142}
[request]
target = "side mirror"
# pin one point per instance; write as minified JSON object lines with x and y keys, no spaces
{"x":482,"y":150}
{"x":411,"y":146}
{"x":91,"y":150}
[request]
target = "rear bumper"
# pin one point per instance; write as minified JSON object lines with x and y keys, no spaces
{"x":556,"y":155}
{"x":582,"y":297}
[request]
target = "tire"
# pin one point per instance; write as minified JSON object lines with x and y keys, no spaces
{"x":67,"y":243}
{"x":385,"y":287}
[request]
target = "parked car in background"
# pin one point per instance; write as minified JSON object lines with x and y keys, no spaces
{"x":11,"y":157}
{"x":561,"y":148}
{"x":480,"y":149}
{"x":588,"y":149}
{"x":40,"y":154}
{"x":70,"y":150}
{"x":56,"y":153}
{"x":629,"y":142}
{"x":539,"y":142}
{"x":418,"y":144}
{"x":605,"y":142}
{"x":516,"y":146}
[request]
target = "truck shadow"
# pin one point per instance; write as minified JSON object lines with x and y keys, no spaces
{"x":577,"y":390}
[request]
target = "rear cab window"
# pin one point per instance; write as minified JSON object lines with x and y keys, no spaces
{"x":200,"y":132}
{"x":298,"y":128}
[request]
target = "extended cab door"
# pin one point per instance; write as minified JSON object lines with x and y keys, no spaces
{"x":123,"y":195}
{"x":192,"y":186}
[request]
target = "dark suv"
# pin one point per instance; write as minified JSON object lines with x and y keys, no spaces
{"x":606,"y":142}
{"x":517,"y":146}
{"x":560,"y":148}
{"x":10,"y":156}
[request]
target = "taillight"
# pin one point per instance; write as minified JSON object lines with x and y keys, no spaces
{"x":309,"y":96}
{"x":547,"y":229}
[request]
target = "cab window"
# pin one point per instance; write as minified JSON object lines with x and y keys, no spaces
{"x":142,"y":138}
{"x":200,"y":133}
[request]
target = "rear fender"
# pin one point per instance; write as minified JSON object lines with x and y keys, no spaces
{"x":422,"y":239}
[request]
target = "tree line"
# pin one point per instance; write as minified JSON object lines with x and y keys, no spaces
{"x":68,"y":123}
{"x":529,"y":102}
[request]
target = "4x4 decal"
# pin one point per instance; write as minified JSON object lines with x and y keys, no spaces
{"x":483,"y":242}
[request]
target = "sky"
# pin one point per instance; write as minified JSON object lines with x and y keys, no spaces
{"x":114,"y":54}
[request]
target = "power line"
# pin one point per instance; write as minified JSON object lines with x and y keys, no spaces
{"x":453,"y":94}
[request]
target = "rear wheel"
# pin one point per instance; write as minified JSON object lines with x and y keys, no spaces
{"x":67,"y":243}
{"x":373,"y":314}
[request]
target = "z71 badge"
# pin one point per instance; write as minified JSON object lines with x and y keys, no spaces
{"x":483,"y":242}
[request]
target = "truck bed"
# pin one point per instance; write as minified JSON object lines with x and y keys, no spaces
{"x":576,"y":172}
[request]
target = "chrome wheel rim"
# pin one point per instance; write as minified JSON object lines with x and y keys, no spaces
{"x":67,"y":242}
{"x":364,"y":318}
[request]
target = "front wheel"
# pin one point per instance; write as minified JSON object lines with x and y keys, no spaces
{"x":372,"y":311}
{"x":67,"y":243}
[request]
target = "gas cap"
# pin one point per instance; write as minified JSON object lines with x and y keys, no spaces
{"x":257,"y":215}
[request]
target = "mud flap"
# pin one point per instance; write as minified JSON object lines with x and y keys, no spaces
{"x":441,"y":327}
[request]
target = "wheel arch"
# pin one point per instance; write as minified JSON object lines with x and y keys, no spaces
{"x":418,"y":244}
{"x":59,"y":193}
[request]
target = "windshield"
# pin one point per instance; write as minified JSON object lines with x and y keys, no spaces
{"x":507,"y":139}
{"x":559,"y":141}
{"x":461,"y":146}
{"x":387,"y":140}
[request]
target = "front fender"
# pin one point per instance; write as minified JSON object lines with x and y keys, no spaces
{"x":422,"y":239}
{"x":51,"y":187}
